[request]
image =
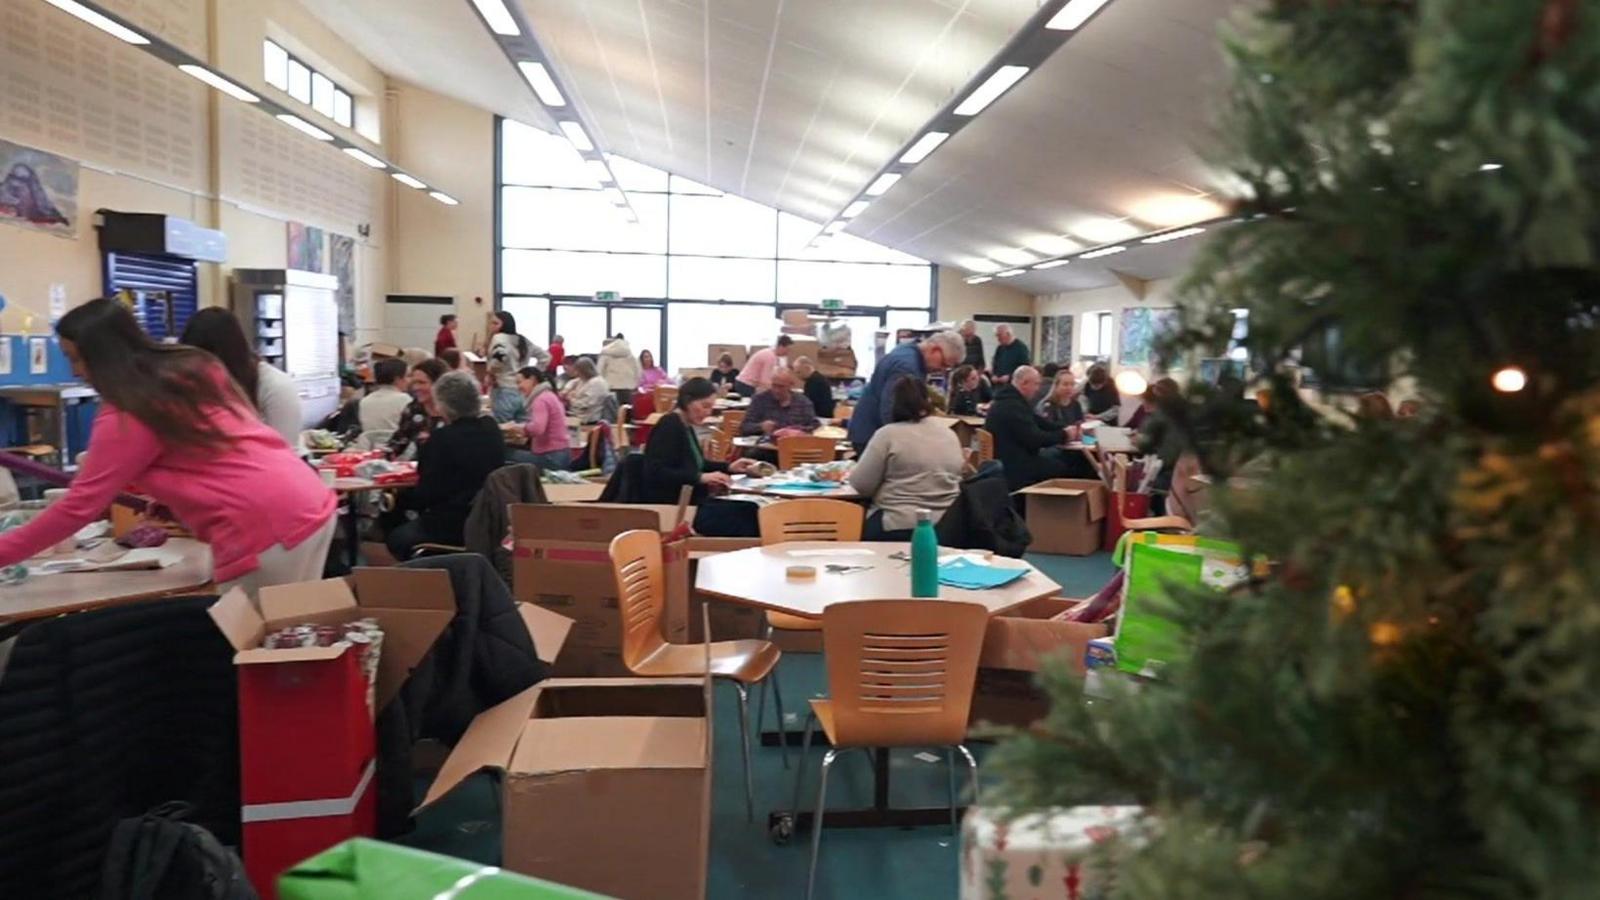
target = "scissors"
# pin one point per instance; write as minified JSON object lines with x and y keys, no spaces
{"x":841,"y":569}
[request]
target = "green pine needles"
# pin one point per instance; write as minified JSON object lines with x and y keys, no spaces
{"x":1408,"y":705}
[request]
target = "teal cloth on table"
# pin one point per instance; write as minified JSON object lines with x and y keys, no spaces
{"x":818,"y":486}
{"x":964,"y":573}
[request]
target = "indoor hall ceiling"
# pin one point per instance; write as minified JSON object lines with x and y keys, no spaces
{"x":797,"y":103}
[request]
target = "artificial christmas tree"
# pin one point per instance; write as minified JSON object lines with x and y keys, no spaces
{"x":1407,"y":704}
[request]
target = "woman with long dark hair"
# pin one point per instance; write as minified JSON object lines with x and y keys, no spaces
{"x":174,"y":422}
{"x":270,"y":389}
{"x":510,"y":353}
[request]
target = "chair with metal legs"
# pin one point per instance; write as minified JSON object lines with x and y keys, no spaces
{"x":641,"y":594}
{"x":900,"y":674}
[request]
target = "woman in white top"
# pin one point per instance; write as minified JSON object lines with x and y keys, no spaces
{"x":509,"y":353}
{"x":216,"y":331}
{"x":912,"y":463}
{"x":620,"y":369}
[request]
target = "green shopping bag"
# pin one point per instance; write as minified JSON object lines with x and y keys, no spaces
{"x":1156,"y":565}
{"x":362,"y":869}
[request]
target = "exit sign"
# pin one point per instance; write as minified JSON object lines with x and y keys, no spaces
{"x":607,"y":296}
{"x":833,"y":303}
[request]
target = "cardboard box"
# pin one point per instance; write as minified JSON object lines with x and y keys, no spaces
{"x":587,"y":492}
{"x":836,"y":363}
{"x":737,"y":351}
{"x":561,"y":561}
{"x":1066,"y":515}
{"x":606,"y":785}
{"x":300,"y":796}
{"x":807,"y":347}
{"x":1015,"y":646}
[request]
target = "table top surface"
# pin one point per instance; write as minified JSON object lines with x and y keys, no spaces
{"x":53,"y":594}
{"x":744,"y":484}
{"x":759,"y":577}
{"x":358,"y":485}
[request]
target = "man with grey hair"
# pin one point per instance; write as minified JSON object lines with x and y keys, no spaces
{"x":969,"y":333}
{"x":937,"y":352}
{"x":451,"y":468}
{"x":1028,"y":445}
{"x":1009,"y":355}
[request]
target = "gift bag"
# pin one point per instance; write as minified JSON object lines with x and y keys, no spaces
{"x":362,"y":868}
{"x":1156,"y":564}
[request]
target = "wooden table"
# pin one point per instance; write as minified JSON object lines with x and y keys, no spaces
{"x":757,"y":577}
{"x":744,"y":484}
{"x":54,"y":594}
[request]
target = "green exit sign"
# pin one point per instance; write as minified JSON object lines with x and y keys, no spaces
{"x":833,"y":303}
{"x":607,"y":296}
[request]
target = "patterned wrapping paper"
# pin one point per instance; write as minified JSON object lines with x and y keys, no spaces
{"x":1041,"y":856}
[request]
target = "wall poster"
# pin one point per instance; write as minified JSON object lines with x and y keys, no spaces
{"x":1142,"y":326}
{"x":38,"y":190}
{"x":342,"y":265}
{"x":305,"y":248}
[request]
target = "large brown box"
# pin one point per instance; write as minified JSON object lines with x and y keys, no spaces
{"x":562,"y":562}
{"x":607,"y":783}
{"x":1066,"y":515}
{"x":1015,"y":647}
{"x":737,"y":351}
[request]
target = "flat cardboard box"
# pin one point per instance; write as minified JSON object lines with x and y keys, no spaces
{"x":606,"y":784}
{"x":587,"y":492}
{"x":1015,"y":647}
{"x":737,"y":351}
{"x":561,"y":562}
{"x":1066,"y":515}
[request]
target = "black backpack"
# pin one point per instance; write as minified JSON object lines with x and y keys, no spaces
{"x":158,"y":856}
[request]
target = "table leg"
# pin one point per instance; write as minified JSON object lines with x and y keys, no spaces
{"x":352,"y":530}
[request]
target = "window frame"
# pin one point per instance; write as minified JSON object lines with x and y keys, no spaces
{"x":334,"y":92}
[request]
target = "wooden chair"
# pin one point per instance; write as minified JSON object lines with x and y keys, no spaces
{"x":809,"y":519}
{"x":901,"y":673}
{"x":641,"y":592}
{"x":664,"y":396}
{"x":1119,"y":496}
{"x":794,"y":451}
{"x":731,"y":420}
{"x":719,"y":448}
{"x":842,"y":411}
{"x":985,"y":446}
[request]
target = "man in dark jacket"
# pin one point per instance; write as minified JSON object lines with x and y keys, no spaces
{"x":969,"y":333}
{"x":1029,"y":445}
{"x":1009,"y":355}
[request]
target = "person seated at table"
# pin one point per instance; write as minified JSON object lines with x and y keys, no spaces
{"x":779,"y":411}
{"x":724,"y":373}
{"x":1027,"y":445}
{"x":381,"y":410}
{"x":173,"y":422}
{"x":567,"y":381}
{"x":451,"y":468}
{"x":1159,"y":392}
{"x":454,"y":361}
{"x":912,"y":463}
{"x":1063,"y":405}
{"x":420,"y":418}
{"x":588,"y":394}
{"x":549,"y":445}
{"x":1101,"y":399}
{"x":345,"y":422}
{"x":966,"y":383}
{"x":651,"y":374}
{"x":815,"y":386}
{"x":218,"y":332}
{"x":673,"y":458}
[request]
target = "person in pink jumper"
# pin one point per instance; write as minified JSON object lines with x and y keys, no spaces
{"x":549,"y":446}
{"x":173,"y":422}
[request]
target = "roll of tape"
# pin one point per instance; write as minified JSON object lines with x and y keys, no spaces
{"x":802,"y":573}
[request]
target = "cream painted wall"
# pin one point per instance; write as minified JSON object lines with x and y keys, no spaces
{"x":1157,"y":294}
{"x":959,"y":300}
{"x":439,"y":250}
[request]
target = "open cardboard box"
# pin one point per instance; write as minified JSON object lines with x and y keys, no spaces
{"x":1015,"y":647}
{"x":562,"y":562}
{"x":606,"y":783}
{"x":587,"y":492}
{"x":1066,"y":515}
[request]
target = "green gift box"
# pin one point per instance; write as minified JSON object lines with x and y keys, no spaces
{"x":362,"y":869}
{"x":1157,"y":564}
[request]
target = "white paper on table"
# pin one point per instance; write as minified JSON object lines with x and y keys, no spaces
{"x":141,"y":559}
{"x":845,"y":551}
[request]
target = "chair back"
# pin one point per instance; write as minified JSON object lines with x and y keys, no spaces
{"x":641,"y":592}
{"x":794,"y":451}
{"x":665,"y":397}
{"x":902,"y":672}
{"x":810,"y":519}
{"x":842,"y":411}
{"x":731,"y":420}
{"x":985,"y":445}
{"x":719,"y":447}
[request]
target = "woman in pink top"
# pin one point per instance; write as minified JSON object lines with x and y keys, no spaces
{"x":548,"y":447}
{"x":172,"y":421}
{"x":651,"y":374}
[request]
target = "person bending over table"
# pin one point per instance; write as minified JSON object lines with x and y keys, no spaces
{"x":420,"y":418}
{"x":1101,"y":399}
{"x":779,"y":409}
{"x":912,"y":463}
{"x":270,"y":389}
{"x":172,"y":422}
{"x":937,"y":352}
{"x":549,"y":446}
{"x":756,"y":376}
{"x":673,"y":458}
{"x":451,"y":468}
{"x":1027,"y":445}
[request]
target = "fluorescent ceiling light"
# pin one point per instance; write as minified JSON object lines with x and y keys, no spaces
{"x":1104,"y":251}
{"x":992,"y":87}
{"x":924,"y":146}
{"x":1174,"y":235}
{"x":979,"y":279}
{"x":883,"y":183}
{"x":304,"y":127}
{"x":543,"y":85}
{"x":616,"y":196}
{"x":99,"y":20}
{"x":1491,"y":167}
{"x":1009,"y":273}
{"x":1049,"y":245}
{"x":1104,"y":231}
{"x":365,"y":158}
{"x":1051,"y":264}
{"x":1074,"y":14}
{"x":853,"y":210}
{"x":833,"y":227}
{"x":218,"y":82}
{"x":577,"y":136}
{"x":407,"y":180}
{"x":444,"y":198}
{"x":598,"y":171}
{"x":1013,"y":257}
{"x":494,"y":12}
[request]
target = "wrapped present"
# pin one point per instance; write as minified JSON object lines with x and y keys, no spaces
{"x":364,"y":868}
{"x":1068,"y":854}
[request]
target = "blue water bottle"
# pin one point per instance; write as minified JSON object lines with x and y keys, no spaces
{"x":924,"y":557}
